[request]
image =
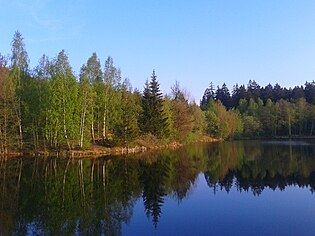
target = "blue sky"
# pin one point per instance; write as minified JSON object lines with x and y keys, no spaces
{"x":193,"y":42}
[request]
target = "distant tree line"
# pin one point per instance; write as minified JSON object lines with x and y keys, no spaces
{"x":51,"y":107}
{"x":268,"y":111}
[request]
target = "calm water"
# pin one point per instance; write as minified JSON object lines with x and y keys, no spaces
{"x":231,"y":188}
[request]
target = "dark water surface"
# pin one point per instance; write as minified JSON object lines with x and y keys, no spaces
{"x":230,"y":188}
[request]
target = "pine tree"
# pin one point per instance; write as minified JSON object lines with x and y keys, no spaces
{"x":223,"y":95}
{"x":19,"y":58}
{"x":208,"y":94}
{"x":153,"y":120}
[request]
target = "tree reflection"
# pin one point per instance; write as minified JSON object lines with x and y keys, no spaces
{"x":259,"y":166}
{"x":97,"y":196}
{"x":185,"y":172}
{"x":59,"y":197}
{"x":154,"y":177}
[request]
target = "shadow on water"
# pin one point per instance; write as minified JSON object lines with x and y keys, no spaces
{"x":97,"y":196}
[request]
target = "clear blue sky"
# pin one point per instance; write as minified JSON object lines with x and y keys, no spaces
{"x":193,"y":42}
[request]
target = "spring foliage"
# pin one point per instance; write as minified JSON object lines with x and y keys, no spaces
{"x":50,"y":107}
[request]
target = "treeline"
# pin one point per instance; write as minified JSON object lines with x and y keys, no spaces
{"x":269,"y":111}
{"x":51,"y":107}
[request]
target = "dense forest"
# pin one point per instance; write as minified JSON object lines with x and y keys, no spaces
{"x":50,"y":107}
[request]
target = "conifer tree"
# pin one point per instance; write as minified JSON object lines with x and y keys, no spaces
{"x":208,"y":94}
{"x":153,"y":120}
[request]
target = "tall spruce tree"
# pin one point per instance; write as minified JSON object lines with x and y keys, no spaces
{"x":208,"y":94}
{"x":152,"y":120}
{"x":19,"y":58}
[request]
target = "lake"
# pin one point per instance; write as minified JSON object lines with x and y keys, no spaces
{"x":228,"y":188}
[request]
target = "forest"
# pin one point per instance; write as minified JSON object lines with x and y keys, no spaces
{"x":49,"y":107}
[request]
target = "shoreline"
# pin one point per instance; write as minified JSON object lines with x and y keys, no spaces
{"x":97,"y":151}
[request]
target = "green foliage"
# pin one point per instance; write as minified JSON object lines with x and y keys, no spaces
{"x":221,"y":123}
{"x":86,"y":100}
{"x":212,"y":122}
{"x":8,"y":110}
{"x":109,"y":100}
{"x":64,"y":110}
{"x":198,"y":119}
{"x":188,"y":118}
{"x":152,"y":118}
{"x":19,"y":58}
{"x":50,"y":107}
{"x":183,"y":119}
{"x":252,"y":126}
{"x":170,"y":132}
{"x":127,"y":130}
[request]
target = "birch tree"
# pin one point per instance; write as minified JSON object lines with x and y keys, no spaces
{"x":93,"y":73}
{"x":8,"y":103}
{"x":19,"y":64}
{"x":111,"y":98}
{"x":128,"y":129}
{"x":65,"y":109}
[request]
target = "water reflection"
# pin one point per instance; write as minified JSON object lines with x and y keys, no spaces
{"x":97,"y":196}
{"x":257,"y":165}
